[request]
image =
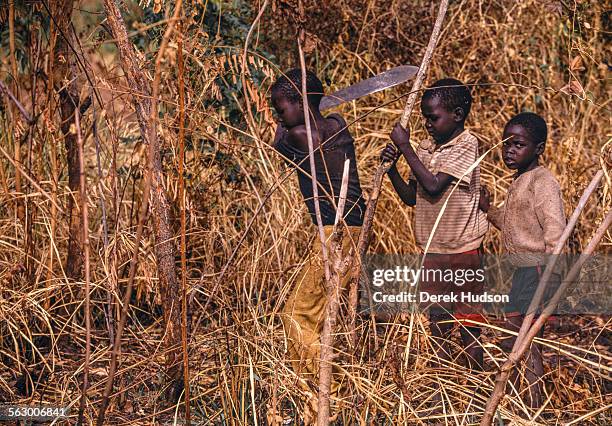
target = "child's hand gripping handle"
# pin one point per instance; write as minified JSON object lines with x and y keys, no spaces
{"x":401,"y":143}
{"x":390,"y":154}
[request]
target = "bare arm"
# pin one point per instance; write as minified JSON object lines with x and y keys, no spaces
{"x":433,"y":184}
{"x":495,"y":215}
{"x":296,"y":137}
{"x":405,"y":190}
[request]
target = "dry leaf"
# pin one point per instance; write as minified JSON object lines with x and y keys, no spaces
{"x":573,"y":88}
{"x":157,"y":6}
{"x":100,"y":372}
{"x":273,"y":417}
{"x":310,"y":43}
{"x":576,"y":64}
{"x":606,"y":155}
{"x":554,"y":7}
{"x":576,"y":87}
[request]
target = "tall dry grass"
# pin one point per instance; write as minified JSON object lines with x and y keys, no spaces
{"x":518,"y":55}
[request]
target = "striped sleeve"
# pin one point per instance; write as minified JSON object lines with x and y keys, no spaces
{"x":459,"y":159}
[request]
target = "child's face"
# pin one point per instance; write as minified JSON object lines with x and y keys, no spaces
{"x":440,"y":123}
{"x":520,"y":150}
{"x":290,"y":114}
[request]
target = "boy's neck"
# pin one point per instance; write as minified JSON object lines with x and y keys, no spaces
{"x":453,"y":135}
{"x":535,"y":163}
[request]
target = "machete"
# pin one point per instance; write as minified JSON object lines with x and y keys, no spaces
{"x":382,"y":81}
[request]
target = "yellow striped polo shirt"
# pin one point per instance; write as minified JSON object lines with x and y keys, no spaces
{"x":462,"y":226}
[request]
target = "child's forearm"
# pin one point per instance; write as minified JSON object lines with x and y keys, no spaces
{"x":495,"y":216}
{"x":433,"y":184}
{"x":406,"y":191}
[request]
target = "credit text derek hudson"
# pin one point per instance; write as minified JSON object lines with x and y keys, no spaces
{"x":424,"y":297}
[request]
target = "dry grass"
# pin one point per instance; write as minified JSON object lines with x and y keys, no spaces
{"x":239,"y":374}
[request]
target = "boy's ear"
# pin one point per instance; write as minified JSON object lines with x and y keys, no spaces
{"x":540,"y":148}
{"x":458,"y":114}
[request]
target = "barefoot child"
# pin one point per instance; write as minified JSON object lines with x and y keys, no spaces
{"x":436,"y":166}
{"x":303,"y":313}
{"x":531,"y":222}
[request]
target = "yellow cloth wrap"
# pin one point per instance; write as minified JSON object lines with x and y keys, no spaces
{"x":304,"y":311}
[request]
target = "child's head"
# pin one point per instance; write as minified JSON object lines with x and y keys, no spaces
{"x":287,"y":96}
{"x":524,"y":140}
{"x":445,"y":106}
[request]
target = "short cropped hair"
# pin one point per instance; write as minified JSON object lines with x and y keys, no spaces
{"x":452,"y":93}
{"x":532,"y":123}
{"x":289,"y":85}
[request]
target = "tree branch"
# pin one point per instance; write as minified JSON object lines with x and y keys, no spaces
{"x":364,"y":237}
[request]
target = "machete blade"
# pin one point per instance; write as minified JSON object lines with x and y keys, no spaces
{"x":382,"y":81}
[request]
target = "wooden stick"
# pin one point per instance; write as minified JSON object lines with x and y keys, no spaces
{"x":343,"y":192}
{"x":245,"y":66}
{"x":85,"y":224}
{"x":54,"y":172}
{"x":160,"y":213}
{"x":331,"y":285}
{"x":183,"y":207}
{"x":19,"y":204}
{"x":519,"y":351}
{"x":333,"y":305}
{"x":20,"y":107}
{"x":108,"y":309}
{"x":569,"y":279}
{"x":146,"y":111}
{"x":12,"y":56}
{"x":313,"y":171}
{"x":364,"y":237}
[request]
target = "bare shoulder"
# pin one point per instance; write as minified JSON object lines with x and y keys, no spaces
{"x":297,"y":137}
{"x":336,"y":119}
{"x":297,"y":132}
{"x":333,"y":125}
